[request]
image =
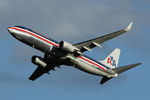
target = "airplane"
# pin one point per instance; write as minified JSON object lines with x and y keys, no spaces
{"x":64,"y":53}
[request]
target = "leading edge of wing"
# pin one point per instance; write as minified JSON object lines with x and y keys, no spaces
{"x":91,"y":43}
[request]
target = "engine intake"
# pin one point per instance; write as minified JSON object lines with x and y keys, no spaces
{"x":38,"y":61}
{"x":67,"y":47}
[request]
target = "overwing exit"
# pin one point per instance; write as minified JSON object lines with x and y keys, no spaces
{"x":64,"y":53}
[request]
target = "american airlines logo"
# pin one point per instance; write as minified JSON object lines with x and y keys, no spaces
{"x":111,"y":61}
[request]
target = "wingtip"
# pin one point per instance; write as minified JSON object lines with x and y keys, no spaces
{"x":129,"y":27}
{"x":139,"y":63}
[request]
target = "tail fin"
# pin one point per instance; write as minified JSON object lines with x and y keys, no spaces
{"x":112,"y":60}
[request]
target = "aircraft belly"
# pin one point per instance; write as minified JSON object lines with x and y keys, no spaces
{"x":90,"y":69}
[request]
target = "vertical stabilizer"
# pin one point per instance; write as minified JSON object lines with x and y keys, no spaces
{"x":112,"y":60}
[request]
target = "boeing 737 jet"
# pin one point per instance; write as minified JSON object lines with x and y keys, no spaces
{"x":64,"y":53}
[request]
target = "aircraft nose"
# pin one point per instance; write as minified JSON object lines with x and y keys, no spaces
{"x":13,"y":32}
{"x":10,"y":30}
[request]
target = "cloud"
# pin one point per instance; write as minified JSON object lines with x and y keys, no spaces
{"x":62,"y":79}
{"x":4,"y":4}
{"x":78,"y":20}
{"x":67,"y":29}
{"x":10,"y":78}
{"x":72,"y":21}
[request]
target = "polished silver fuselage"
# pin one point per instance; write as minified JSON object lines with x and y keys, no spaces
{"x":51,"y":47}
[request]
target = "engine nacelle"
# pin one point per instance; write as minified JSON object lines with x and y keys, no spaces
{"x":38,"y":61}
{"x":67,"y":46}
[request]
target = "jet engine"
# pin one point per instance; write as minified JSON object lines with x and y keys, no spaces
{"x":38,"y":61}
{"x":67,"y":47}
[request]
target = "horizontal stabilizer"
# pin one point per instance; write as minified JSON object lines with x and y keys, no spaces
{"x":118,"y":71}
{"x":124,"y":68}
{"x":104,"y":79}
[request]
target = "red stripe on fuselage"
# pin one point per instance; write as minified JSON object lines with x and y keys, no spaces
{"x":33,"y":34}
{"x":92,"y":62}
{"x":48,"y":41}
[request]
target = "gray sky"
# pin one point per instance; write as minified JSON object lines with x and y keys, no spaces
{"x":75,"y":21}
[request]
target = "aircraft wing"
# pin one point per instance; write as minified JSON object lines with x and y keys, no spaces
{"x":40,"y":71}
{"x":88,"y":45}
{"x":37,"y":73}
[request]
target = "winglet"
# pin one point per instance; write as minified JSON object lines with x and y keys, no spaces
{"x":129,"y":27}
